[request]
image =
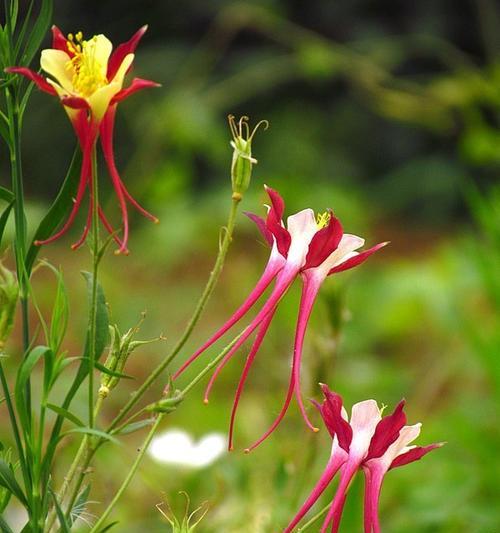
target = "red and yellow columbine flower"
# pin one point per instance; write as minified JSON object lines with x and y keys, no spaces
{"x":312,"y":247}
{"x":365,"y":442}
{"x":88,"y":79}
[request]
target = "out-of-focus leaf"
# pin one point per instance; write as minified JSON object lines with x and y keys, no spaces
{"x":4,"y":526}
{"x":38,"y":32}
{"x":23,"y":375}
{"x":58,"y":210}
{"x":66,"y":414}
{"x":4,"y":217}
{"x":135,"y":426}
{"x":93,"y":432}
{"x":6,"y":195}
{"x":8,"y":480}
{"x":65,"y":527}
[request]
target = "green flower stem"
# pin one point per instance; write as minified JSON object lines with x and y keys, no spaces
{"x":15,"y":120}
{"x":317,"y":516}
{"x":207,"y":292}
{"x":98,"y":525}
{"x":83,"y":450}
{"x":95,"y":269}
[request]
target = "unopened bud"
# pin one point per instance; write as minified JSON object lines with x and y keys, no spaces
{"x":9,"y":294}
{"x":165,"y":405}
{"x":242,"y":162}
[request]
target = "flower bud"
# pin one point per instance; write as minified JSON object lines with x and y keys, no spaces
{"x":242,"y":162}
{"x":165,"y":405}
{"x":120,"y":348}
{"x":9,"y":293}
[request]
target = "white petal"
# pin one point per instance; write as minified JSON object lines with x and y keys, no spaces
{"x":302,"y":227}
{"x":364,"y":419}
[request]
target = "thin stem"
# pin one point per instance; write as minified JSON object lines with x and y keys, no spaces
{"x":317,"y":516}
{"x":84,"y":447}
{"x":97,"y":526}
{"x":207,"y":292}
{"x":93,"y":305}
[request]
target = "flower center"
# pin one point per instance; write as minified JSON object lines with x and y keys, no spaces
{"x":322,"y":219}
{"x":87,"y":70}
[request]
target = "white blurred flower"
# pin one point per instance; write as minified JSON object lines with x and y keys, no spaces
{"x":176,"y":446}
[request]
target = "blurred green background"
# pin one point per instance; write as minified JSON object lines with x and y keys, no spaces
{"x":388,"y":112}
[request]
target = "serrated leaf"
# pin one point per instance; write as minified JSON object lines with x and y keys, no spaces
{"x":65,"y":413}
{"x":58,"y":211}
{"x":8,"y":480}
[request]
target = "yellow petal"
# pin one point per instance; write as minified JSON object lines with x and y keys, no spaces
{"x":122,"y":70}
{"x":57,"y":64}
{"x":99,"y":100}
{"x":102,"y":51}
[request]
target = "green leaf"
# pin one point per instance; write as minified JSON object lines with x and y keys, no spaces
{"x":38,"y":32}
{"x":4,"y":218}
{"x":102,"y":317}
{"x":65,"y":527}
{"x":58,"y":211}
{"x":6,"y":195}
{"x":8,"y":480}
{"x":113,"y":373}
{"x":23,"y":375}
{"x":60,"y":313}
{"x":135,"y":426}
{"x":65,"y":413}
{"x":94,"y":432}
{"x":4,"y":526}
{"x":108,"y":527}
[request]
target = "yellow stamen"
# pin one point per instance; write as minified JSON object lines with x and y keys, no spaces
{"x":322,"y":219}
{"x":87,"y":71}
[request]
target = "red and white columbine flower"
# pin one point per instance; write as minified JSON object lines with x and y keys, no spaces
{"x":365,"y":442}
{"x":88,"y":79}
{"x":310,"y":247}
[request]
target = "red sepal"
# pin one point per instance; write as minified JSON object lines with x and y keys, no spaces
{"x":324,"y":243}
{"x":274,"y":222}
{"x":414,"y":454}
{"x":59,"y":41}
{"x":123,"y":50}
{"x":261,"y":225}
{"x":357,"y":259}
{"x":387,"y":432}
{"x":137,"y":85}
{"x":331,"y":411}
{"x":75,"y":102}
{"x":36,"y":78}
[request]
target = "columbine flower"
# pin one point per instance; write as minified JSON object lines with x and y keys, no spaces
{"x":309,"y":246}
{"x":88,"y":80}
{"x":365,"y":442}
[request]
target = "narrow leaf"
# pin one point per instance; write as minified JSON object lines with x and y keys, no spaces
{"x":108,"y":527}
{"x":38,"y":31}
{"x":58,"y":211}
{"x":6,"y":195}
{"x":65,"y":413}
{"x":113,"y":373}
{"x":4,"y":218}
{"x":65,"y":528}
{"x":8,"y":480}
{"x":94,"y":432}
{"x":135,"y":426}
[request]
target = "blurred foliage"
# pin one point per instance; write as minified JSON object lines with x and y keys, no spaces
{"x":389,"y":114}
